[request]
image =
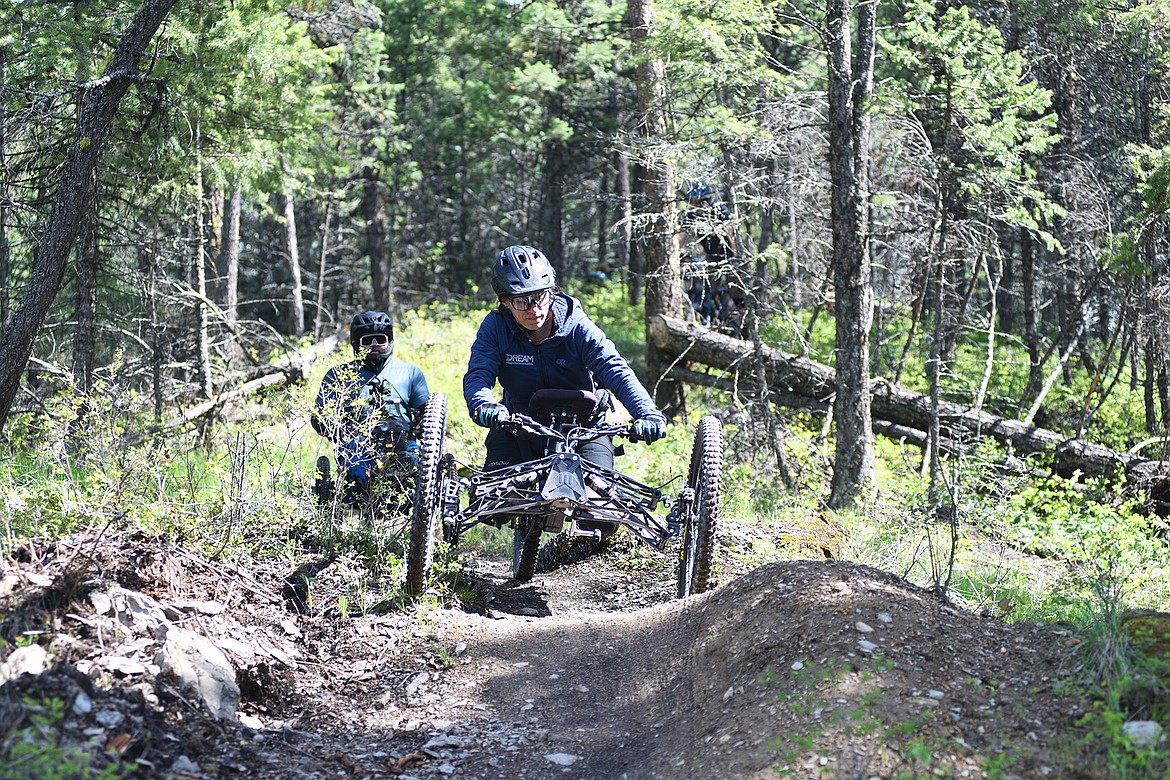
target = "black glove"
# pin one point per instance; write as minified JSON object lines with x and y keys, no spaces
{"x":649,"y":430}
{"x":491,"y":415}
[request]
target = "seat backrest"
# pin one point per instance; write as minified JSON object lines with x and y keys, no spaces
{"x":554,"y":406}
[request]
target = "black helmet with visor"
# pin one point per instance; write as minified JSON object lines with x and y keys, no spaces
{"x":372,"y":324}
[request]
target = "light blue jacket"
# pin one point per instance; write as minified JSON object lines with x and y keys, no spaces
{"x":349,"y":396}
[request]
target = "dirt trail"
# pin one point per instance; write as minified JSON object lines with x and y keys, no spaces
{"x":800,"y":669}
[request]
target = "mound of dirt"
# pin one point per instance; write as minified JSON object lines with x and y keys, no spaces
{"x":800,"y":669}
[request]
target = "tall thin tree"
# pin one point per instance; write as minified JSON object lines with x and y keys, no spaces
{"x":659,"y":224}
{"x":74,"y":189}
{"x":850,"y":86}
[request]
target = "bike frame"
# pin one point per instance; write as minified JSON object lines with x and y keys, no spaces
{"x":561,"y":488}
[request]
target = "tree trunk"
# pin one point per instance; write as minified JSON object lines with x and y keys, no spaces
{"x":214,"y":204}
{"x":660,"y":234}
{"x":73,"y":191}
{"x":85,"y":305}
{"x":628,"y":257}
{"x":322,"y":267}
{"x":203,"y":336}
{"x":1031,"y":307}
{"x":297,"y":315}
{"x":373,"y":212}
{"x":5,"y":247}
{"x":850,"y":84}
{"x":1150,"y":365}
{"x":156,"y":336}
{"x":552,"y":181}
{"x":229,"y":258}
{"x":603,"y":218}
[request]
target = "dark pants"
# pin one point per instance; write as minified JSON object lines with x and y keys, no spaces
{"x":505,"y":449}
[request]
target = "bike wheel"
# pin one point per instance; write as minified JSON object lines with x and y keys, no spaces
{"x":426,"y":514}
{"x":705,"y":478}
{"x":525,"y":545}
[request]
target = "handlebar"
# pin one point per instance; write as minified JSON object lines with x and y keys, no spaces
{"x":579,"y":433}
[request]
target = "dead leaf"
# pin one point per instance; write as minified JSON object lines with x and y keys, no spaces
{"x":409,"y":761}
{"x":347,"y":762}
{"x":119,"y":744}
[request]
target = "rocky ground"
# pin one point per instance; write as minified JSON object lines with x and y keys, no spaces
{"x":801,"y":669}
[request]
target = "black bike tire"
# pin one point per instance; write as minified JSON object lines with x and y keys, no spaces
{"x":705,"y":477}
{"x":426,"y":513}
{"x":525,"y":546}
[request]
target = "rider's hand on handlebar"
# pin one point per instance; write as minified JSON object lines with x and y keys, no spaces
{"x":649,"y":430}
{"x":491,"y":415}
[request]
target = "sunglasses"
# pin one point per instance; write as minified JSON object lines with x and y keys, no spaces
{"x":527,"y":302}
{"x":374,"y":340}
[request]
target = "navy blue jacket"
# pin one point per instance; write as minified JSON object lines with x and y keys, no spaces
{"x":576,"y":356}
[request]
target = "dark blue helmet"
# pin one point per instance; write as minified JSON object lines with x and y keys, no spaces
{"x":522,"y":269}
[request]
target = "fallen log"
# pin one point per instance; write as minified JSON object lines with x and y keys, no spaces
{"x":897,"y":408}
{"x":290,"y":369}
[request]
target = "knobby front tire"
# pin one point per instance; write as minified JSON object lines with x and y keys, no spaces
{"x":427,"y":515}
{"x":705,"y":479}
{"x":525,"y":546}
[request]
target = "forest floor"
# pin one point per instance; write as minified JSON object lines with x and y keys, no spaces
{"x":805,"y":669}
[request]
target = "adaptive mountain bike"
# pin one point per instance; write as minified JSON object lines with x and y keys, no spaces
{"x":562,"y":492}
{"x":393,"y":482}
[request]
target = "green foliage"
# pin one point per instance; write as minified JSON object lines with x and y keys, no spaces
{"x":719,"y":66}
{"x":1126,"y":683}
{"x":36,"y":749}
{"x":973,"y":87}
{"x":1152,"y":167}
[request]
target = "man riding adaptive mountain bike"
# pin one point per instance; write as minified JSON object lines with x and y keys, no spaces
{"x":369,"y":408}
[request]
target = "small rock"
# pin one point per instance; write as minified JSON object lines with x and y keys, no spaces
{"x":202,"y":667}
{"x":250,"y":721}
{"x":82,"y":704}
{"x":864,"y":628}
{"x":29,"y":659}
{"x":137,"y":610}
{"x":729,"y":693}
{"x":935,"y":694}
{"x":101,"y":602}
{"x":562,"y":759}
{"x":109,"y":718}
{"x":185,"y":766}
{"x":416,"y":682}
{"x":121,"y":665}
{"x":866,"y":646}
{"x":444,"y":742}
{"x":1143,"y":733}
{"x":529,"y":612}
{"x":796,"y":666}
{"x":290,"y":627}
{"x":237,"y":648}
{"x":460,"y":648}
